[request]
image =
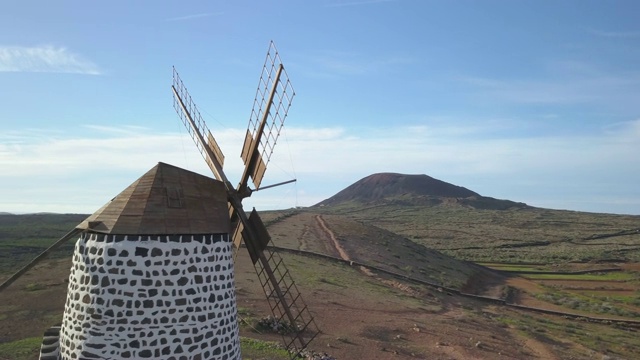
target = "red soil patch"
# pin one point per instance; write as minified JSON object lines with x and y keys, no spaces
{"x":630,"y":266}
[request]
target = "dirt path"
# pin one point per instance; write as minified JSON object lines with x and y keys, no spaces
{"x":330,"y":235}
{"x":343,"y":254}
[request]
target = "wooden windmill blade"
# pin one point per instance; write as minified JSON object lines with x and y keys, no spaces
{"x":270,"y":108}
{"x":264,"y":128}
{"x":197,"y":128}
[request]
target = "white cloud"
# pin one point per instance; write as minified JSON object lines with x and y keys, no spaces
{"x":103,"y":149}
{"x":49,"y":173}
{"x":44,"y":59}
{"x":532,"y":170}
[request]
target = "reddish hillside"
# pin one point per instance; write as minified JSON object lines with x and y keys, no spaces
{"x":414,"y":190}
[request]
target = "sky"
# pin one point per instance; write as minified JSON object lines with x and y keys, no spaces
{"x":531,"y":101}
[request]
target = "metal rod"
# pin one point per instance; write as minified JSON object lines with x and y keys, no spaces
{"x":274,"y":185}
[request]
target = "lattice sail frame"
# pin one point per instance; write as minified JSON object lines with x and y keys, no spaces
{"x":282,"y":294}
{"x":183,"y":98}
{"x":304,"y":322}
{"x":273,"y":76}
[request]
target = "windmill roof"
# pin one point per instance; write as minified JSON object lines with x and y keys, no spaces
{"x":166,"y":200}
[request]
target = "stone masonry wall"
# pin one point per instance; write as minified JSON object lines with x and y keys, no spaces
{"x":159,"y":297}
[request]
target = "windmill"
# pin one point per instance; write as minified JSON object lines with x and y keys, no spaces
{"x":152,"y":273}
{"x":271,"y":104}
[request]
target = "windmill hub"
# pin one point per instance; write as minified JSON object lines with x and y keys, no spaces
{"x":245,"y":193}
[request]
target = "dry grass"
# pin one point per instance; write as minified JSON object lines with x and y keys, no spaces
{"x":530,"y":235}
{"x":365,"y":315}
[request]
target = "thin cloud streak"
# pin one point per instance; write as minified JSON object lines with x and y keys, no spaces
{"x":331,"y":64}
{"x":48,"y":59}
{"x":359,"y":3}
{"x":616,"y":34}
{"x":194,"y":16}
{"x":564,"y":82}
{"x":123,"y":130}
{"x":580,"y":90}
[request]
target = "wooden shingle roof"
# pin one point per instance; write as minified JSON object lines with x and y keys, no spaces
{"x":167,"y":200}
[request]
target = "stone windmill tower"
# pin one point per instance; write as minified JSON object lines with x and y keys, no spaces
{"x":152,"y":274}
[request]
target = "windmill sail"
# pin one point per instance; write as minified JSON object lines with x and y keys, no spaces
{"x":195,"y":125}
{"x":270,"y":108}
{"x":271,"y":105}
{"x":286,"y":302}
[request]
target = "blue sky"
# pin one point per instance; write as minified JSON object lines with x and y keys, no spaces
{"x":532,"y":101}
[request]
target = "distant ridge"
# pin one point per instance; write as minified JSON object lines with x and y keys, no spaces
{"x":414,"y":190}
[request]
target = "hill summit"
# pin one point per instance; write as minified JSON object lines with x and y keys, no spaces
{"x":423,"y":190}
